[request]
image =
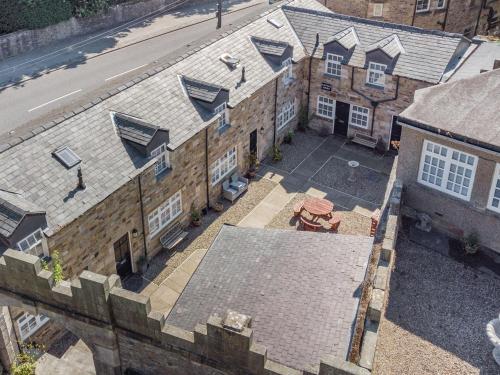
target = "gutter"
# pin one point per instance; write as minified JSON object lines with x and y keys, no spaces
{"x":142,"y":220}
{"x":206,"y":168}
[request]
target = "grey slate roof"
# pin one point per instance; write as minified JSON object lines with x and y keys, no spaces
{"x":469,"y":109}
{"x":133,"y":129}
{"x":300,"y":288}
{"x":13,"y":208}
{"x":428,"y":53}
{"x":270,"y":47}
{"x":391,"y":45}
{"x":200,"y":90}
{"x":482,"y":58}
{"x":347,"y":38}
{"x":158,"y":99}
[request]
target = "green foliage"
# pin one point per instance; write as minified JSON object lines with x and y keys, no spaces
{"x":86,"y":8}
{"x":57,"y":269}
{"x":25,"y":362}
{"x":471,"y":243}
{"x":195,"y":214}
{"x":288,"y":137}
{"x":277,"y":155}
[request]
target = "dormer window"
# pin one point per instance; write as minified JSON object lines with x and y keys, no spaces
{"x":288,"y":76}
{"x":441,"y":4}
{"x":32,"y":244}
{"x":376,"y":74}
{"x":223,"y":119}
{"x":333,"y":65}
{"x":423,"y":5}
{"x":162,"y":159}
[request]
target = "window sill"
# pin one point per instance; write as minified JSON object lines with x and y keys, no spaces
{"x":375,"y":87}
{"x":224,"y":129}
{"x":331,"y":76}
{"x":160,"y":176}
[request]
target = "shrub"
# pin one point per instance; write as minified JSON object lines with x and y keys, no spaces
{"x":303,"y":119}
{"x":277,"y":156}
{"x":471,"y":243}
{"x":288,"y":137}
{"x":86,"y":8}
{"x":25,"y":362}
{"x":57,"y":269}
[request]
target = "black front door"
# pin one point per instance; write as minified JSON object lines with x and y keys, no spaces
{"x":122,"y":256}
{"x":253,"y":142}
{"x":341,"y":118}
{"x":395,"y":133}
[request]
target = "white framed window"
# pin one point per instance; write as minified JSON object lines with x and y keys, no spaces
{"x":423,"y":5}
{"x":288,"y":75}
{"x":358,"y":116}
{"x":494,"y":199}
{"x":162,"y":158}
{"x":223,"y":119}
{"x":378,"y":10}
{"x":376,"y":74}
{"x":286,"y":114}
{"x":32,"y":244}
{"x":325,"y":107}
{"x":448,"y":170}
{"x":165,"y":213}
{"x":224,"y":165}
{"x":333,"y":65}
{"x":28,"y":324}
{"x":440,"y":4}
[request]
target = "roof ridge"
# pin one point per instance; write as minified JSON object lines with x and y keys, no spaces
{"x":372,"y":22}
{"x":150,"y":73}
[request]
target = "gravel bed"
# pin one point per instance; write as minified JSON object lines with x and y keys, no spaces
{"x":352,"y":222}
{"x":436,"y":317}
{"x":201,"y":237}
{"x":293,"y":154}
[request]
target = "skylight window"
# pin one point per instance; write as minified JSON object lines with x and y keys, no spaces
{"x":67,"y":157}
{"x":229,"y":60}
{"x":275,"y":22}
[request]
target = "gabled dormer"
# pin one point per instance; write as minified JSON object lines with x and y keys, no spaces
{"x":207,"y":95}
{"x":21,"y":224}
{"x":381,"y":58}
{"x":274,"y":51}
{"x":343,"y":43}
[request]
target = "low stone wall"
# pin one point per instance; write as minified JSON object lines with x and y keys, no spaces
{"x":26,"y":40}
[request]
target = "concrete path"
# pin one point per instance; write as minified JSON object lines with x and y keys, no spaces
{"x":77,"y":360}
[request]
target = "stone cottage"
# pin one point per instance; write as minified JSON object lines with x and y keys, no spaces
{"x":104,"y":183}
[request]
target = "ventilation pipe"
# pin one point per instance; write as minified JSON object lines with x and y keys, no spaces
{"x":317,"y":40}
{"x":81,"y":184}
{"x":243,"y":78}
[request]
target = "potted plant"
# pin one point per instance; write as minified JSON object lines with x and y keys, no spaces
{"x":253,"y":164}
{"x":471,"y":243}
{"x":218,"y":206}
{"x":277,"y":156}
{"x":142,"y":264}
{"x":195,"y":217}
{"x":288,"y":137}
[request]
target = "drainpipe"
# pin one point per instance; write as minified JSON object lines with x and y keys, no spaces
{"x":309,"y":74}
{"x":206,"y":169}
{"x":446,"y":15}
{"x":414,"y":13}
{"x":483,"y":6}
{"x":275,"y":111}
{"x":142,"y":220}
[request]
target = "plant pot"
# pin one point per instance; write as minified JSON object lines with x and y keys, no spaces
{"x":196,"y":223}
{"x":218,"y":207}
{"x":252,"y":173}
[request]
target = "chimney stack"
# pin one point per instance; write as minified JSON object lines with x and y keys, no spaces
{"x":81,"y":184}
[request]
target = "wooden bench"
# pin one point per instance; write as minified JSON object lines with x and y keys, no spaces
{"x":334,"y":222}
{"x":173,"y":237}
{"x":365,"y":140}
{"x":309,"y":225}
{"x":297,"y":208}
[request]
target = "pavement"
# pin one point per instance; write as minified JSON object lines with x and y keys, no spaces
{"x":40,"y":85}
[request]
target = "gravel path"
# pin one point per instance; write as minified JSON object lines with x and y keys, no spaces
{"x":352,"y":222}
{"x":201,"y":238}
{"x":436,"y":317}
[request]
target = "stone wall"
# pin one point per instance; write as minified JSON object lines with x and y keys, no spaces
{"x":391,"y":100}
{"x":26,"y":40}
{"x":454,"y":216}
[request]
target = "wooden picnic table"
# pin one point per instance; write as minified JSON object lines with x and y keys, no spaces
{"x":318,"y":207}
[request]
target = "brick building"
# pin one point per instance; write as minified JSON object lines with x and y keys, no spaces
{"x":104,"y":183}
{"x":469,"y":17}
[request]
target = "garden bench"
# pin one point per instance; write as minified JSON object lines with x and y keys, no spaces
{"x":309,"y":225}
{"x":334,"y":222}
{"x":365,"y":140}
{"x":173,"y":237}
{"x":297,"y":208}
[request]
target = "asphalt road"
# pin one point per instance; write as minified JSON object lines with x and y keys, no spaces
{"x":34,"y":101}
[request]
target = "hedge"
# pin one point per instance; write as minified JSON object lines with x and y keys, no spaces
{"x":35,"y":14}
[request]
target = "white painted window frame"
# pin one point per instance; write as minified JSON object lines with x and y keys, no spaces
{"x":419,"y":9}
{"x":224,"y":115}
{"x":31,"y":241}
{"x":333,"y":65}
{"x":163,"y":215}
{"x":224,"y":165}
{"x":28,"y":324}
{"x":378,"y":9}
{"x":162,"y":157}
{"x":447,"y":168}
{"x":288,"y":75}
{"x":376,"y":74}
{"x":494,"y":187}
{"x":286,"y":114}
{"x":321,"y":100}
{"x":359,"y":112}
{"x":443,"y":5}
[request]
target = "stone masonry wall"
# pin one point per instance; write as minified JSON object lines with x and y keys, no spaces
{"x":26,"y":40}
{"x":363,"y":95}
{"x":452,"y":215}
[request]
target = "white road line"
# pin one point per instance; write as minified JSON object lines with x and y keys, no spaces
{"x":128,"y":71}
{"x":52,"y":101}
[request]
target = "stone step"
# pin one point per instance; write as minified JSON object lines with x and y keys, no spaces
{"x":368,"y":346}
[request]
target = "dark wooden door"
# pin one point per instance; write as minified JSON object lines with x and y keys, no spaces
{"x":122,"y":256}
{"x":253,"y":142}
{"x":341,"y":118}
{"x":395,"y":133}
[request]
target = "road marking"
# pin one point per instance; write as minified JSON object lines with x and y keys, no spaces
{"x":52,"y":101}
{"x":128,"y":71}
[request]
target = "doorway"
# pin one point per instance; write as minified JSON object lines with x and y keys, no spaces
{"x":122,"y":256}
{"x":341,"y":123}
{"x":395,"y":133}
{"x":253,"y":142}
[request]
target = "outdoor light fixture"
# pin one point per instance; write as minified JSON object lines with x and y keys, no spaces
{"x":135,"y":233}
{"x":261,"y":131}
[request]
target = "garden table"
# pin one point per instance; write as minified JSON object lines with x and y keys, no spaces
{"x":319,"y":207}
